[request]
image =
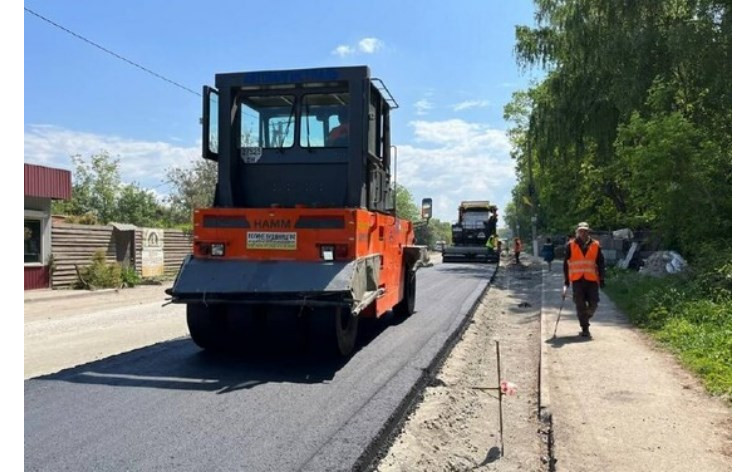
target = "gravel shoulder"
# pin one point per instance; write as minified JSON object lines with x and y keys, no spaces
{"x":455,"y":426}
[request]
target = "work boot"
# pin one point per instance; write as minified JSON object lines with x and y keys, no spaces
{"x":585,"y":333}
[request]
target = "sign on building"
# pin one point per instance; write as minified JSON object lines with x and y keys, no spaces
{"x":152,"y":252}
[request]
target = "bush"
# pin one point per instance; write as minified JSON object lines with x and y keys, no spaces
{"x":100,"y":274}
{"x":130,"y":277}
{"x":88,"y":218}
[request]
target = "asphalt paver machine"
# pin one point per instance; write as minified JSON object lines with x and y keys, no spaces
{"x":476,"y":223}
{"x":301,"y":222}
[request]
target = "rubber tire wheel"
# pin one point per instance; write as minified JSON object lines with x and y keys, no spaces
{"x":207,"y":325}
{"x":346,"y":331}
{"x":407,"y":306}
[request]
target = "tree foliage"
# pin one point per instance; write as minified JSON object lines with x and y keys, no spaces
{"x":405,"y":205}
{"x":425,"y":234}
{"x":99,"y":196}
{"x":434,"y":230}
{"x":193,"y":187}
{"x":632,"y":124}
{"x":95,"y":187}
{"x":139,"y":207}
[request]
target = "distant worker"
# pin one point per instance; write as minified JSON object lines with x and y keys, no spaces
{"x":548,"y":252}
{"x":517,"y":249}
{"x":339,"y":136}
{"x":491,"y":242}
{"x":584,"y":269}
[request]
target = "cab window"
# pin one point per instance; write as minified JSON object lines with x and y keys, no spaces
{"x":267,"y":121}
{"x":324,"y":120}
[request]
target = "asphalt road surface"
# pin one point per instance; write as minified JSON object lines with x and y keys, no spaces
{"x":172,"y":406}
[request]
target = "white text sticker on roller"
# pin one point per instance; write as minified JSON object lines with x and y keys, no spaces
{"x":267,"y":240}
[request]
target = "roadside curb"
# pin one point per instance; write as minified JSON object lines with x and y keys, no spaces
{"x":68,"y":296}
{"x":544,"y":398}
{"x":544,"y":395}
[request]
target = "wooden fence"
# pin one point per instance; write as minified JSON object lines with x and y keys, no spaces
{"x":75,"y":245}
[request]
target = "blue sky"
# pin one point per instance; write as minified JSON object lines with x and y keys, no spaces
{"x":450,"y":65}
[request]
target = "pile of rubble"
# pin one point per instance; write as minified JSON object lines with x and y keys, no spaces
{"x":661,"y":263}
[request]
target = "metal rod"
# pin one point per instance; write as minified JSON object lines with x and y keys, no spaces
{"x":501,"y":420}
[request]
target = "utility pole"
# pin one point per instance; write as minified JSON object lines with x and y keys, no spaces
{"x":531,"y":195}
{"x":517,"y":220}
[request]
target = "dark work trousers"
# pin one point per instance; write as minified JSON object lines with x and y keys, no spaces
{"x":586,"y":297}
{"x":517,"y":257}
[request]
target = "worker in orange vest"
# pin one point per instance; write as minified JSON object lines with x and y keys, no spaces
{"x":339,"y":136}
{"x":517,"y":249}
{"x":584,"y":269}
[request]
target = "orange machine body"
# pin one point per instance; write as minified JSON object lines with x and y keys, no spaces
{"x":303,"y":234}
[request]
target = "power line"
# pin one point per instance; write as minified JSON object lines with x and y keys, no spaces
{"x":112,"y":53}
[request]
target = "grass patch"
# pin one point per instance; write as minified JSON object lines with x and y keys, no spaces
{"x":691,"y":314}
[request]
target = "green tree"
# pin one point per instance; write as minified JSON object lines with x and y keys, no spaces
{"x":193,"y":187}
{"x":672,"y":169}
{"x":434,"y":230}
{"x":99,"y":196}
{"x":95,"y":187}
{"x":632,"y":124}
{"x":405,"y":206}
{"x":139,"y":207}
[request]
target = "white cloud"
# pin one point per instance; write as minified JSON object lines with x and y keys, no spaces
{"x":455,"y":160}
{"x":422,"y":106}
{"x":470,"y":104}
{"x":343,"y":50}
{"x":143,"y":162}
{"x":363,"y":46}
{"x":370,"y":45}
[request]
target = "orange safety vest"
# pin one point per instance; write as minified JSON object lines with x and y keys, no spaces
{"x":341,"y":131}
{"x":583,"y":265}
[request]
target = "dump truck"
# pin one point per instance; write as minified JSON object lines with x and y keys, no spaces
{"x":475,"y":224}
{"x":301,"y":223}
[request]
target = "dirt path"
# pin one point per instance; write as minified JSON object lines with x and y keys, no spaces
{"x":456,"y":427}
{"x":621,"y":403}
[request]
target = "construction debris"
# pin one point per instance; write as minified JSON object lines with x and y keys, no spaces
{"x":661,"y":263}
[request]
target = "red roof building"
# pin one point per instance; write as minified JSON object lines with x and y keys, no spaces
{"x":41,"y":186}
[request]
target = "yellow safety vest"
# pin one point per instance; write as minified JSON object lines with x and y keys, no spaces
{"x":491,"y":243}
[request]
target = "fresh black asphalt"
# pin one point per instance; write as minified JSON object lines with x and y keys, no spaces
{"x":172,"y":406}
